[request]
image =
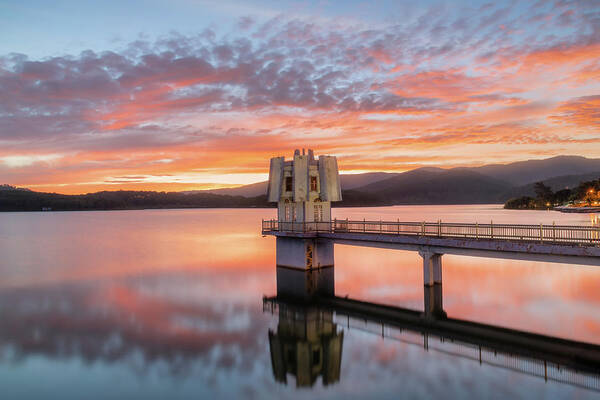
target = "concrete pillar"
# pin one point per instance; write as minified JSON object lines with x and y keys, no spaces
{"x":433,"y":301}
{"x":304,"y":268}
{"x":304,"y":253}
{"x":432,"y":267}
{"x":432,"y":284}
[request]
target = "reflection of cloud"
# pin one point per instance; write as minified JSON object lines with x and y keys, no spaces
{"x":118,"y":324}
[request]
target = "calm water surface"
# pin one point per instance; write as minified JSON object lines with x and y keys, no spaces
{"x":168,"y":304}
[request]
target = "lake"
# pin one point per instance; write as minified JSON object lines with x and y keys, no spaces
{"x":155,"y":304}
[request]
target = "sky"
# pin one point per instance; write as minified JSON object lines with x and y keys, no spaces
{"x":193,"y":94}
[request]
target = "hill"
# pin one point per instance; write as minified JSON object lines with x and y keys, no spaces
{"x":526,"y":172}
{"x":556,"y":183}
{"x":519,"y":176}
{"x":430,"y":185}
{"x":427,"y":186}
{"x":26,"y":200}
{"x":347,"y":182}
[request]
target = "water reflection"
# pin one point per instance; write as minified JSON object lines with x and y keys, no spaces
{"x":309,"y":331}
{"x":166,"y":304}
{"x":307,"y":344}
{"x":125,"y":324}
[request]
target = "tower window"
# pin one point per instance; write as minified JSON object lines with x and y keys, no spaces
{"x":313,"y":183}
{"x":288,"y":183}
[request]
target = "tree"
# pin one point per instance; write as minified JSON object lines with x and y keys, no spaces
{"x":543,"y":193}
{"x":562,"y":196}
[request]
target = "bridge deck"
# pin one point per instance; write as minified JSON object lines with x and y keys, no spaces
{"x":561,"y":242}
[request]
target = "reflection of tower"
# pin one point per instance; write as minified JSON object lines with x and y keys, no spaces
{"x":306,"y":345}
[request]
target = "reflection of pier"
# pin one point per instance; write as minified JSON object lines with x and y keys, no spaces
{"x":550,"y":358}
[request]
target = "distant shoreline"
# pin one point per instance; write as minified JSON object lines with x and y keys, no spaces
{"x":577,"y":210}
{"x":241,"y":207}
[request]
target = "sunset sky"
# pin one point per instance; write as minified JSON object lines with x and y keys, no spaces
{"x":192,"y":94}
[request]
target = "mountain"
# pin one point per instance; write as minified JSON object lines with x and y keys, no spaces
{"x":251,"y":190}
{"x":525,"y":172}
{"x":556,"y":183}
{"x":517,"y":174}
{"x":347,"y":182}
{"x":487,"y":184}
{"x":438,"y":186}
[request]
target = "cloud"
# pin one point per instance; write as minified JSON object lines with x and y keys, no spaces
{"x":581,"y":112}
{"x":16,"y":161}
{"x":445,"y":75}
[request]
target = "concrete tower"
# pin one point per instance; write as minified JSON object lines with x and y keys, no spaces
{"x":304,"y":187}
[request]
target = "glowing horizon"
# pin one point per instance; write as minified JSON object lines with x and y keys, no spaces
{"x":390,"y":88}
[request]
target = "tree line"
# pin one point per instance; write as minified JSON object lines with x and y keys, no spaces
{"x":585,"y":194}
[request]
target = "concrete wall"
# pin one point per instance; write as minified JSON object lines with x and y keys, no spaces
{"x":301,"y":198}
{"x":330,"y":179}
{"x":300,"y":178}
{"x":275,"y":179}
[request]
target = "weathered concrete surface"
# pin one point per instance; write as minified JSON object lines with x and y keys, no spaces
{"x":304,"y":253}
{"x":300,"y":175}
{"x":330,"y":179}
{"x":433,"y":306}
{"x":304,"y":187}
{"x":275,"y":179}
{"x":432,"y":267}
{"x":545,"y":252}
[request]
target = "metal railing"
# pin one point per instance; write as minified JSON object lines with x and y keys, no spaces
{"x":573,"y":234}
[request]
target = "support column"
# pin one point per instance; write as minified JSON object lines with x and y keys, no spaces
{"x":304,"y":268}
{"x":432,"y":284}
{"x":432,"y":267}
{"x":432,"y":301}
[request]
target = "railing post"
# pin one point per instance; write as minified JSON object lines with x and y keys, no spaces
{"x":380,"y":226}
{"x":423,"y":228}
{"x":553,"y":231}
{"x":439,"y":228}
{"x":492,"y":229}
{"x":398,"y":220}
{"x":476,"y":231}
{"x":334,"y":224}
{"x":364,"y":224}
{"x":541,"y":233}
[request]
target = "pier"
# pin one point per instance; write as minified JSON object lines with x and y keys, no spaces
{"x":306,"y":249}
{"x":548,"y":243}
{"x":304,"y":188}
